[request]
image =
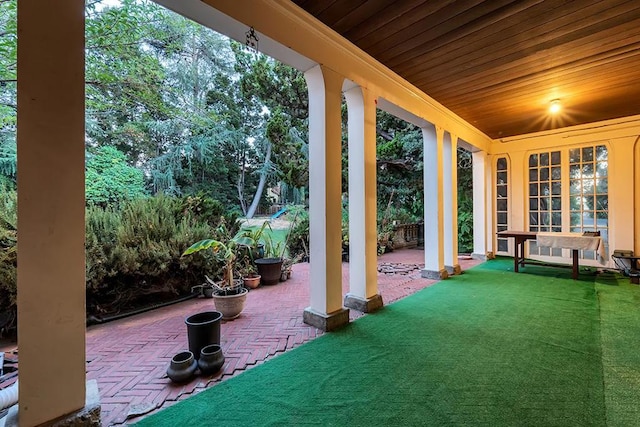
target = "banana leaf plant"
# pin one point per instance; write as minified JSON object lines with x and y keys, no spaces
{"x":223,"y":252}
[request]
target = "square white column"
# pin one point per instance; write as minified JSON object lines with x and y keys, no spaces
{"x":325,"y":208}
{"x":363,"y":266}
{"x":482,"y":205}
{"x":450,"y":202}
{"x":433,"y":203}
{"x":51,"y":208}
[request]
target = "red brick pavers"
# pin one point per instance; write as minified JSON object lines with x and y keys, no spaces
{"x":129,"y":357}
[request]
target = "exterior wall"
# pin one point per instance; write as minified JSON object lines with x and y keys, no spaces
{"x":620,"y":136}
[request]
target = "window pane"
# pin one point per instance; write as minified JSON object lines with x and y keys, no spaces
{"x":602,"y":203}
{"x":575,"y":186}
{"x":574,"y":155}
{"x":503,"y":245}
{"x":556,"y":188}
{"x":501,"y":205}
{"x":576,"y":218}
{"x":587,"y":170}
{"x":601,"y":186}
{"x":556,"y":218}
{"x":533,"y":218}
{"x":533,"y":175}
{"x":555,"y":157}
{"x":587,"y":219}
{"x":533,"y":203}
{"x":502,"y":218}
{"x":601,"y":153}
{"x":555,"y":173}
{"x":574,"y":171}
{"x":575,"y":203}
{"x":502,"y":191}
{"x":533,"y":160}
{"x":502,"y":164}
{"x":502,"y":177}
{"x":545,"y":218}
{"x":588,"y":202}
{"x":533,"y":189}
{"x":556,"y":203}
{"x":587,"y":154}
{"x":544,"y":189}
{"x":544,"y":174}
{"x":544,"y":159}
{"x":545,"y":203}
{"x":601,"y":169}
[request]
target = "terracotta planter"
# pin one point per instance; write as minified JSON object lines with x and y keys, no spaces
{"x":252,"y":282}
{"x":230,"y":305}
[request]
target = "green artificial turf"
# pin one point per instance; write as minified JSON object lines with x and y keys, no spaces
{"x":489,"y":347}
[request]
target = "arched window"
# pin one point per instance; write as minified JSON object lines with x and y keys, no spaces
{"x":502,"y":202}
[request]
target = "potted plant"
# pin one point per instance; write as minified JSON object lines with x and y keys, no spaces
{"x":229,"y":295}
{"x":270,"y":267}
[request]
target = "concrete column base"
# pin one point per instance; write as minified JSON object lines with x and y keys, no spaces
{"x":326,"y":322}
{"x":89,"y":416}
{"x":368,"y":305}
{"x":453,"y":270}
{"x":434,"y":275}
{"x":481,"y":257}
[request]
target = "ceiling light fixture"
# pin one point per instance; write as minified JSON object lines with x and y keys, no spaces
{"x":555,"y":106}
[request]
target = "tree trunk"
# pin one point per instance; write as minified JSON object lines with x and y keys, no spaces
{"x":240,"y":183}
{"x":260,"y":189}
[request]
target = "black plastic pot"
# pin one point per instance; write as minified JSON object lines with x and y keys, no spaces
{"x":269,"y":269}
{"x":203,"y":329}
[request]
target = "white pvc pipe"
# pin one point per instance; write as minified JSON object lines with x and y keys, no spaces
{"x":9,"y":396}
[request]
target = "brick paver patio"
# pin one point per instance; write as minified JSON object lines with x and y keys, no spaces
{"x":129,"y":357}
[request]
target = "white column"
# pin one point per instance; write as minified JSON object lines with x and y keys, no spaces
{"x":363,"y":267}
{"x":433,"y":203}
{"x":51,"y":258}
{"x":481,"y":205}
{"x":325,"y":208}
{"x":450,"y":202}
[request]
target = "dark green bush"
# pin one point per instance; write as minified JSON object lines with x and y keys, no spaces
{"x":133,"y":255}
{"x":8,"y":257}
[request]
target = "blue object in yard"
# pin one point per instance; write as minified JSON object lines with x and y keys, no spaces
{"x":277,"y":214}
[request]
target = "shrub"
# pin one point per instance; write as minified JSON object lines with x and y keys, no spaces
{"x":133,"y":255}
{"x":8,"y":258}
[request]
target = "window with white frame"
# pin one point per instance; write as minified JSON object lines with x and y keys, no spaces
{"x":588,"y":194}
{"x":583,"y":170}
{"x":545,"y":197}
{"x":502,"y":199}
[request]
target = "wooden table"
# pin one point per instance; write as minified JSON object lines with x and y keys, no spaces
{"x":573,"y":241}
{"x":520,"y":237}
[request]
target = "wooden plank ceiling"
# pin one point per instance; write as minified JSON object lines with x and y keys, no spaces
{"x":499,"y":63}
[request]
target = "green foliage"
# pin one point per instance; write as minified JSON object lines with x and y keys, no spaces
{"x":298,"y":244}
{"x":133,"y":254}
{"x":110,"y":180}
{"x":465,"y":202}
{"x":8,"y":258}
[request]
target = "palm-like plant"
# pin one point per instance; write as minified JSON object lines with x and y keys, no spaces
{"x":224,"y":252}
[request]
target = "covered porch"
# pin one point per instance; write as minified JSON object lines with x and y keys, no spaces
{"x":573,"y":178}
